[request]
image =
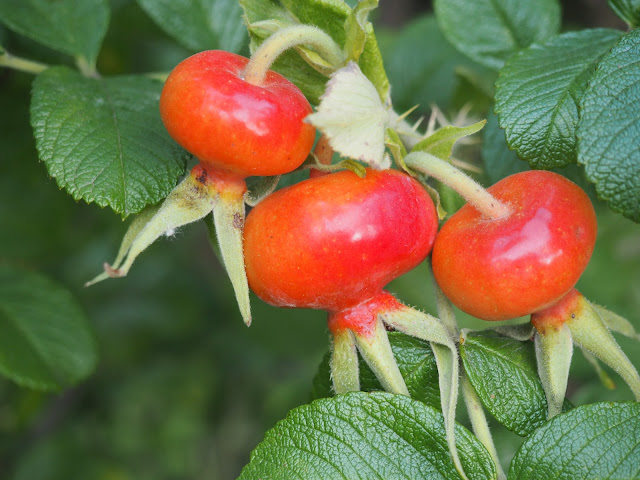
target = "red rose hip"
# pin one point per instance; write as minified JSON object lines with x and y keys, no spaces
{"x":522,"y":262}
{"x":334,"y":241}
{"x":234,"y":125}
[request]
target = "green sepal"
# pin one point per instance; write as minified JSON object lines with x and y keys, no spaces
{"x":426,"y":327}
{"x":590,"y":332}
{"x":554,"y":350}
{"x":616,"y":322}
{"x":441,"y":142}
{"x":377,"y":352}
{"x":479,"y":422}
{"x":261,"y":189}
{"x":192,"y":200}
{"x":522,"y":332}
{"x":605,"y":379}
{"x":345,"y":372}
{"x":228,"y":218}
{"x":189,"y":201}
{"x":136,"y":226}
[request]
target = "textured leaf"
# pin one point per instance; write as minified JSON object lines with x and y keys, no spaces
{"x":45,"y":339}
{"x":490,"y":31}
{"x":503,"y":373}
{"x":421,"y":65}
{"x":103,"y":140}
{"x":75,"y":27}
{"x":609,"y":127}
{"x":364,"y":436}
{"x":538,"y":92}
{"x":416,"y":363}
{"x":627,"y":10}
{"x":499,"y":161}
{"x":328,"y":15}
{"x":352,"y":117}
{"x":200,"y":24}
{"x":601,"y":440}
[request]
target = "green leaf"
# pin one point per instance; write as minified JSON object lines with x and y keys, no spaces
{"x":503,"y":373}
{"x":355,"y":28}
{"x":415,"y":360}
{"x":600,"y":440}
{"x":46,"y":341}
{"x":441,"y":142}
{"x":538,"y":92}
{"x":329,"y":15}
{"x":363,"y":436}
{"x":75,"y":27}
{"x":499,"y":161}
{"x":627,"y":10}
{"x":103,"y":140}
{"x":421,"y":65}
{"x":490,"y":31}
{"x":609,"y":127}
{"x":200,"y":24}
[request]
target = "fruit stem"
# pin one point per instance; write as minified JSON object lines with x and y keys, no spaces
{"x":21,"y":64}
{"x":479,"y":423}
{"x":443,"y":304}
{"x":286,"y":38}
{"x":446,"y":173}
{"x":324,"y":154}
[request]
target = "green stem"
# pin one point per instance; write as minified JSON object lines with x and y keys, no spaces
{"x":286,"y":38}
{"x":479,"y":422}
{"x":443,"y":304}
{"x":21,"y":64}
{"x":446,"y":173}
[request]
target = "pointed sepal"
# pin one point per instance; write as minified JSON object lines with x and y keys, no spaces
{"x":590,"y":332}
{"x":191,"y":200}
{"x":345,"y":372}
{"x":479,"y":423}
{"x":426,"y":327}
{"x":554,"y":349}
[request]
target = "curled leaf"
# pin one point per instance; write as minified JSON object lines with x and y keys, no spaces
{"x":353,"y":117}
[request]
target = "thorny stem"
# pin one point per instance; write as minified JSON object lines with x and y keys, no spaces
{"x":286,"y":38}
{"x":446,"y":173}
{"x":21,"y":64}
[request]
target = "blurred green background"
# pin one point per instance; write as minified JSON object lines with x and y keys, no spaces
{"x":183,"y":389}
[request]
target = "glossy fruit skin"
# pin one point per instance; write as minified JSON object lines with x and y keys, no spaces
{"x":232,"y":125}
{"x":334,"y":241}
{"x":497,"y":269}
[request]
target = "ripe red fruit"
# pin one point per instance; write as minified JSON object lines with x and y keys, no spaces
{"x":496,"y":269}
{"x":232,"y":125}
{"x":335,"y":241}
